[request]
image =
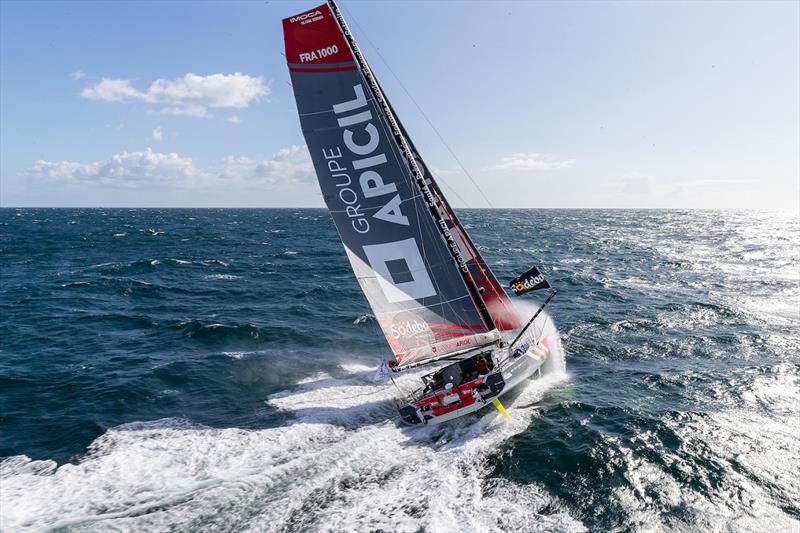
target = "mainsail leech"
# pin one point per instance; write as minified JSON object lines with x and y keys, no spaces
{"x":406,"y":247}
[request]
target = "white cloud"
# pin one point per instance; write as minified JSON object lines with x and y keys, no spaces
{"x":128,"y":169}
{"x":78,"y":75}
{"x":290,"y":165}
{"x":112,"y":91}
{"x":532,"y":162}
{"x":157,"y":134}
{"x":190,"y":95}
{"x":234,"y":119}
{"x":217,"y":90}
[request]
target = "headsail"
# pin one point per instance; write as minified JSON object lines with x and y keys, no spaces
{"x":397,"y":231}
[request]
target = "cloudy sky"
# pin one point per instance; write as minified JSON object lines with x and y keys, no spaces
{"x":628,"y":104}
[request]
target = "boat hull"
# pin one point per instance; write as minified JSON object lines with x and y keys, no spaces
{"x":474,"y":395}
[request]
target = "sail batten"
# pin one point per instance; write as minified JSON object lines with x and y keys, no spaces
{"x":399,"y":234}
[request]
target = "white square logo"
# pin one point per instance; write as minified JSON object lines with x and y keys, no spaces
{"x":402,"y":273}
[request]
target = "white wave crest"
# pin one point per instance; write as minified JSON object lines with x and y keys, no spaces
{"x":222,"y":277}
{"x":340,"y":463}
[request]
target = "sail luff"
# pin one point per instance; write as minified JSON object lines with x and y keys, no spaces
{"x":411,"y":161}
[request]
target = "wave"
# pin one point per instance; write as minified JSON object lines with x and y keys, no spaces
{"x":198,"y":329}
{"x":340,"y":463}
{"x":216,"y":332}
{"x":222,"y":277}
{"x":76,"y":284}
{"x":361,"y":319}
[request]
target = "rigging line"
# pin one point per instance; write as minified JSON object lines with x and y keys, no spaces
{"x":447,"y":146}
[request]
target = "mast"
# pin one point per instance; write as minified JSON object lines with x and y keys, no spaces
{"x":419,"y":176}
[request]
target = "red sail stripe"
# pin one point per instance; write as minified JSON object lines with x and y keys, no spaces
{"x":453,"y":334}
{"x":457,"y":326}
{"x":321,"y":69}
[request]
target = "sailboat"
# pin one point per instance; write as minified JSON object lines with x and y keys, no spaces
{"x":432,"y":293}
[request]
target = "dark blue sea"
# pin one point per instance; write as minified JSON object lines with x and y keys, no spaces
{"x":210,"y":370}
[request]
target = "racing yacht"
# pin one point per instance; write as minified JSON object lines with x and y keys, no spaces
{"x":432,"y":293}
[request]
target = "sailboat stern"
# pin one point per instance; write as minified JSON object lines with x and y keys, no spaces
{"x":450,"y":404}
{"x":471,"y":384}
{"x":455,"y":390}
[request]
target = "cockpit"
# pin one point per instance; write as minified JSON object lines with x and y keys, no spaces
{"x":459,"y":373}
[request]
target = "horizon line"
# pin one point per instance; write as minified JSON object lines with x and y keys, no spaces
{"x":794,"y":209}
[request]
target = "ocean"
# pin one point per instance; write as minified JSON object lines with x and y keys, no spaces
{"x":210,"y":370}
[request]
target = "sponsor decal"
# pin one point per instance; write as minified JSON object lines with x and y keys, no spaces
{"x":410,"y":330}
{"x":532,"y":280}
{"x":357,"y":171}
{"x":331,"y":50}
{"x":410,"y":279}
{"x":361,"y":162}
{"x":306,"y":18}
{"x":452,"y":346}
{"x":538,"y":352}
{"x":535,"y":351}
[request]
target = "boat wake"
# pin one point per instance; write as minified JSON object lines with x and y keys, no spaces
{"x":340,"y":462}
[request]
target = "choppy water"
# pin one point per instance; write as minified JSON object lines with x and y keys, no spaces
{"x":210,"y":370}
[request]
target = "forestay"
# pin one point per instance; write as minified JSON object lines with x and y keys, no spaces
{"x":430,"y":290}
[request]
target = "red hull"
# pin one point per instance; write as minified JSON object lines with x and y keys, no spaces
{"x":445,"y":402}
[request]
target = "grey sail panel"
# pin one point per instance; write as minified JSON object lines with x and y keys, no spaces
{"x":400,"y":259}
{"x":502,"y":313}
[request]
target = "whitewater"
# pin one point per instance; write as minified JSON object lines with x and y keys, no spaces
{"x":342,"y":462}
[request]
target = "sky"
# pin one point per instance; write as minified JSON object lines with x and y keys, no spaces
{"x":544,"y":104}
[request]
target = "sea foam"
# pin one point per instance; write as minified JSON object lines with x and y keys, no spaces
{"x":341,"y":462}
